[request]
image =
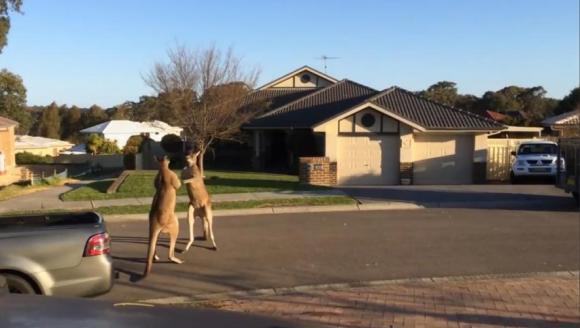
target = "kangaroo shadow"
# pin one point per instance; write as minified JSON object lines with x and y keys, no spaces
{"x":133,"y":276}
{"x":161,"y":242}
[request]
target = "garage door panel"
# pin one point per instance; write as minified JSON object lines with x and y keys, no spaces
{"x":443,"y":159}
{"x":368,"y":160}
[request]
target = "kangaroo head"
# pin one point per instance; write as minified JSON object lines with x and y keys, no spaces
{"x":163,"y":162}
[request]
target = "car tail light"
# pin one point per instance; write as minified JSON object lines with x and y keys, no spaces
{"x":98,"y":244}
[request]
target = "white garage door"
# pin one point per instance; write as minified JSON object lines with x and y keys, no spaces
{"x":368,"y":160}
{"x":443,"y":159}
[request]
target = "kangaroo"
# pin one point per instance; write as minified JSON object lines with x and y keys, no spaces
{"x":199,"y":200}
{"x":162,"y":216}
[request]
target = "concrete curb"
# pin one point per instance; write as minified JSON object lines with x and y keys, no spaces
{"x":306,"y":288}
{"x":496,"y":204}
{"x":281,"y":210}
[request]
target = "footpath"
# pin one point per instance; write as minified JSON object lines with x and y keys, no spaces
{"x":520,"y":300}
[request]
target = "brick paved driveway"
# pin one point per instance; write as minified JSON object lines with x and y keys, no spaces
{"x":536,"y":300}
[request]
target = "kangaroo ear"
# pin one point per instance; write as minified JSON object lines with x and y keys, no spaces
{"x":196,"y":153}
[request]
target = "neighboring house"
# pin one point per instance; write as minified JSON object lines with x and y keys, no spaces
{"x":511,"y":131}
{"x":497,"y":116}
{"x":353,"y":134}
{"x":121,"y":130}
{"x":41,"y":146}
{"x":564,"y":125}
{"x":9,"y":173}
{"x":518,"y":132}
{"x":80,"y":149}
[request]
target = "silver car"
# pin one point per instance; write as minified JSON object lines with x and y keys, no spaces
{"x":56,"y":254}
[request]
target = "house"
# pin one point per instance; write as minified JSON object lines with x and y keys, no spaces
{"x":41,"y":146}
{"x":9,"y":173}
{"x":512,"y":131}
{"x":121,"y":130}
{"x":517,"y":132}
{"x":346,"y":133}
{"x":564,"y":125}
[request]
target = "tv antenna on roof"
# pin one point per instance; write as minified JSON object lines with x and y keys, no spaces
{"x":324,"y":58}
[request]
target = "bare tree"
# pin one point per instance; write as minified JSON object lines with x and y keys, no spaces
{"x":204,"y":91}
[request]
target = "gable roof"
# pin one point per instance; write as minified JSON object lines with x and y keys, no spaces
{"x":304,"y":68}
{"x":6,"y":122}
{"x":316,"y":107}
{"x":429,"y":114}
{"x":568,"y":118}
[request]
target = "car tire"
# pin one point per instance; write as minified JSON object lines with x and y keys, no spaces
{"x":576,"y":197}
{"x":18,"y":285}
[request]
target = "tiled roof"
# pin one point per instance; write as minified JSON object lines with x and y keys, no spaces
{"x":496,"y":116}
{"x":568,"y":118}
{"x":6,"y":122}
{"x":272,"y":98}
{"x":316,"y":107}
{"x":429,"y":114}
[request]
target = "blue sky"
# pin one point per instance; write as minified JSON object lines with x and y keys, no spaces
{"x":87,"y":52}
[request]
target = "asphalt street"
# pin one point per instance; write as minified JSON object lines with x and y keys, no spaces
{"x":285,"y":250}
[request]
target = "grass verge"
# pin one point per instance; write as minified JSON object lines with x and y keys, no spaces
{"x":182,"y":207}
{"x":140,"y":184}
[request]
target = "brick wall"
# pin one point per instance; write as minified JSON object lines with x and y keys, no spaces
{"x":317,"y":171}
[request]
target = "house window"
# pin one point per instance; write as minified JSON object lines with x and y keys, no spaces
{"x":305,"y":78}
{"x":368,"y":120}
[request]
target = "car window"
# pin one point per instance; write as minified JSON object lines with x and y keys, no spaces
{"x":534,"y":149}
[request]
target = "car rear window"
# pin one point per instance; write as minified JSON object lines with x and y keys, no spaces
{"x":49,"y":220}
{"x":534,"y":149}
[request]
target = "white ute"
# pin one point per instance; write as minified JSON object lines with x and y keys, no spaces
{"x":535,"y":158}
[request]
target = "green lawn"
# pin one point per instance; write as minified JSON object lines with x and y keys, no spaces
{"x":182,"y":207}
{"x":140,"y":184}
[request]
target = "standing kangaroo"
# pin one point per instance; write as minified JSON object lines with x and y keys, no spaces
{"x":162,"y":216}
{"x":199,"y":200}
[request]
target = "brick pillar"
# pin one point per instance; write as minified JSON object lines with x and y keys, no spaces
{"x":406,"y":173}
{"x":317,"y":171}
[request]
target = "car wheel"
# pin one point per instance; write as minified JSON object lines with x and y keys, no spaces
{"x":576,"y":197}
{"x":513,"y":178}
{"x":18,"y":285}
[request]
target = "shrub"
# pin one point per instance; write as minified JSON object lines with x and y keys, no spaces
{"x":133,"y":145}
{"x":28,"y":158}
{"x":96,"y":144}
